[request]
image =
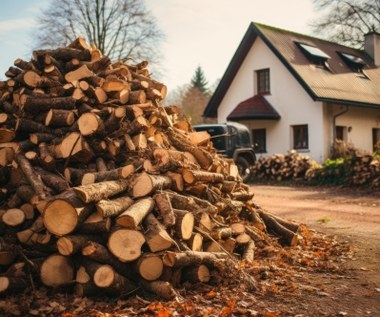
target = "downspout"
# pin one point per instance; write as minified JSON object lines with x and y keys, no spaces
{"x":334,"y":122}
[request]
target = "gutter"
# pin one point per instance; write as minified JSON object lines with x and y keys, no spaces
{"x":334,"y":122}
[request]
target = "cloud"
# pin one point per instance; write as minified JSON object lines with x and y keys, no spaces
{"x":17,"y":24}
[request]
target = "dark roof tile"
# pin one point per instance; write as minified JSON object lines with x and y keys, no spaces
{"x":256,"y":107}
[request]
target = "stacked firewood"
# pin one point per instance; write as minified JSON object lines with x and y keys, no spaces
{"x":358,"y":169}
{"x":366,"y":170}
{"x":279,"y":167}
{"x":105,"y":190}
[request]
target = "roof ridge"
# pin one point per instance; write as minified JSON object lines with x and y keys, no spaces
{"x":312,"y":37}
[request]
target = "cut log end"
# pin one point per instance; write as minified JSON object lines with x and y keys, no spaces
{"x":126,"y":244}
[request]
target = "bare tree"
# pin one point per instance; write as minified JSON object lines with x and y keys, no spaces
{"x":121,"y":29}
{"x":346,"y":21}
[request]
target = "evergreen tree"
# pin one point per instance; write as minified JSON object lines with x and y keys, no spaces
{"x":199,"y":81}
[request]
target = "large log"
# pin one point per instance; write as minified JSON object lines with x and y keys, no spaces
{"x":63,"y":215}
{"x":125,"y":244}
{"x":56,"y":271}
{"x":150,"y":266}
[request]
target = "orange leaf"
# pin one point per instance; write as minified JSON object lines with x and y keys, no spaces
{"x":163,"y":313}
{"x":270,"y":314}
{"x":225,"y":311}
{"x":211,"y":294}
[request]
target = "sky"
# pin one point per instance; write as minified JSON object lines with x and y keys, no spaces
{"x":202,"y":33}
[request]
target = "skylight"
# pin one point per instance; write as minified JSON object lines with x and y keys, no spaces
{"x":313,"y":52}
{"x":356,"y":63}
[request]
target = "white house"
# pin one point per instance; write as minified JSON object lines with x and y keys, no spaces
{"x":298,"y":92}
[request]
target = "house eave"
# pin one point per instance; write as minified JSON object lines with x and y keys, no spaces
{"x":352,"y":103}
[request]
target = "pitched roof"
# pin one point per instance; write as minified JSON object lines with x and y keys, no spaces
{"x":256,"y":107}
{"x":337,"y":83}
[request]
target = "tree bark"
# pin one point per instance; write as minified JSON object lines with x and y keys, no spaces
{"x":156,"y":236}
{"x":133,"y":216}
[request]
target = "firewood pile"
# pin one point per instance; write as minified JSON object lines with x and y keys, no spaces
{"x":106,"y":191}
{"x":358,"y":169}
{"x":279,"y":167}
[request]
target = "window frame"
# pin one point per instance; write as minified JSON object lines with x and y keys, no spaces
{"x":261,"y":148}
{"x":341,"y":130}
{"x":375,"y":137}
{"x":263,"y":83}
{"x":304,"y":133}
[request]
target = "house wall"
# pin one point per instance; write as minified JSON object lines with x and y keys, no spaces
{"x":287,"y":96}
{"x":361,"y":121}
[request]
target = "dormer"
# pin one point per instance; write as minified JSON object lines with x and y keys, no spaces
{"x":355,"y":63}
{"x":315,"y":55}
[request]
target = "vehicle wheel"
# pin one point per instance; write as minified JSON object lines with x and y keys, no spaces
{"x":244,"y":168}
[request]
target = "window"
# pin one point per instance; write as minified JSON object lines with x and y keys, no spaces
{"x":263,"y":84}
{"x":300,"y":137}
{"x":376,"y":139}
{"x":313,"y":53}
{"x":340,"y":133}
{"x":259,"y":140}
{"x":354,"y":62}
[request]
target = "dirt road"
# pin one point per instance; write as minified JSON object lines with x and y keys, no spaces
{"x":349,"y":214}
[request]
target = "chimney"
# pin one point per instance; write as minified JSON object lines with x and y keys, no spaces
{"x":372,"y":46}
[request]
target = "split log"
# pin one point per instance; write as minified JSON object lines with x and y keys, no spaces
{"x":75,"y":147}
{"x":249,"y":252}
{"x":145,"y":184}
{"x":125,"y":244}
{"x":95,"y":224}
{"x":165,"y":208}
{"x":184,"y":224}
{"x":195,"y":242}
{"x":156,"y":236}
{"x":114,"y":207}
{"x":25,"y":236}
{"x":133,"y":216}
{"x":243,"y":238}
{"x":78,"y":74}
